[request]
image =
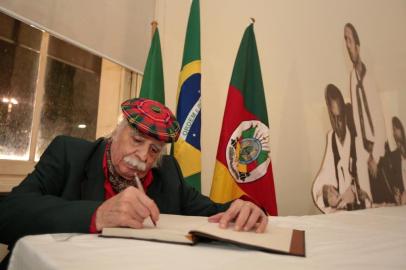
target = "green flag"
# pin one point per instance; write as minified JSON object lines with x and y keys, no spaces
{"x":152,"y":86}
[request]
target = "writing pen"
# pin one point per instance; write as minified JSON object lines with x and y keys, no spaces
{"x":141,"y":188}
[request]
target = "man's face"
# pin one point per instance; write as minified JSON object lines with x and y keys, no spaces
{"x":400,"y":141}
{"x":337,"y":119}
{"x":134,"y":153}
{"x":352,"y":48}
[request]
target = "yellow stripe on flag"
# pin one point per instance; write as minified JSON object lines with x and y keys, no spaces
{"x":188,"y":157}
{"x":187,"y":71}
{"x":224,"y":188}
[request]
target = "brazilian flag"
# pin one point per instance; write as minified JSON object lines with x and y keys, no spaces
{"x":187,"y":149}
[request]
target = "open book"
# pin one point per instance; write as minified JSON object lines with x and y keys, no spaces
{"x":189,"y":229}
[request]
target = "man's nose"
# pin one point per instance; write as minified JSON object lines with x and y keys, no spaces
{"x":143,"y":153}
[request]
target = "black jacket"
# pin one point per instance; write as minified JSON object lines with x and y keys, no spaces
{"x":395,"y":168}
{"x":67,"y":186}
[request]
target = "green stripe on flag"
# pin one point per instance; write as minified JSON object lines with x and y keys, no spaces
{"x":247,"y":76}
{"x":194,"y":181}
{"x":152,"y":86}
{"x":191,"y":52}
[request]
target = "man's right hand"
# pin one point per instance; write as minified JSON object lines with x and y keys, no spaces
{"x":347,"y":198}
{"x":129,"y":208}
{"x":372,"y":166}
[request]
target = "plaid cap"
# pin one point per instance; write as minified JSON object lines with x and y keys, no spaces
{"x":151,"y":118}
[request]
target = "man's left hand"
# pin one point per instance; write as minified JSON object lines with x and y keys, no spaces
{"x":246,"y":216}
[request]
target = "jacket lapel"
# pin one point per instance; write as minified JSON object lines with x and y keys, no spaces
{"x":156,"y":189}
{"x":93,"y":182}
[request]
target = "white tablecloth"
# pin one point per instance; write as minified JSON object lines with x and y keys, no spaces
{"x":364,"y":239}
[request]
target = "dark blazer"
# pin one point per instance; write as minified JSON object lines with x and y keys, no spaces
{"x":396,"y":170}
{"x":67,"y":186}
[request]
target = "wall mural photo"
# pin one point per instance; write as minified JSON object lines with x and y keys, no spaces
{"x":359,"y":169}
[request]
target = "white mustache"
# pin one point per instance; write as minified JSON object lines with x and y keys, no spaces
{"x":135,"y":162}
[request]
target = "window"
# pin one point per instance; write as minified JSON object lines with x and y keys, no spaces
{"x":49,"y":87}
{"x":71,"y":97}
{"x":67,"y":101}
{"x":19,"y":54}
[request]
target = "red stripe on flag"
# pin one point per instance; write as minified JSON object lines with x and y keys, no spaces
{"x":235,"y":112}
{"x":263,"y":191}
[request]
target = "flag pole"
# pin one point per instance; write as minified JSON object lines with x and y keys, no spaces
{"x":154,"y":25}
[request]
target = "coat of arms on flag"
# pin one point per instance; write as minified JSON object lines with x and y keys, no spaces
{"x":248,"y":151}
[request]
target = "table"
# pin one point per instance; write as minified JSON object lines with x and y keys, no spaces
{"x":363,"y":239}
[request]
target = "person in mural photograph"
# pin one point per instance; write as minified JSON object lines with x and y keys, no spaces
{"x":336,"y":186}
{"x":398,"y":162}
{"x":369,"y":124}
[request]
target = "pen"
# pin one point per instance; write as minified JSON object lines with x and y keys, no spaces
{"x":141,"y":188}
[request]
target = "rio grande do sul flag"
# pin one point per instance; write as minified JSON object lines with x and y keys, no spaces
{"x":243,"y":165}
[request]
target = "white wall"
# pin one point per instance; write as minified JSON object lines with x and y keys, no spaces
{"x":301,"y":49}
{"x":118,"y":30}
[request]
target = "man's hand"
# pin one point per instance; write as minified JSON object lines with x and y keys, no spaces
{"x":347,"y":198}
{"x":372,"y":166}
{"x":129,"y":208}
{"x":397,"y":195}
{"x":245,"y":214}
{"x":363,"y":196}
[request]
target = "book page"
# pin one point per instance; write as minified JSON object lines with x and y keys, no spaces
{"x":170,"y":228}
{"x":274,"y":238}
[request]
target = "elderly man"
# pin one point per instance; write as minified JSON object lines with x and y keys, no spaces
{"x":81,"y":186}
